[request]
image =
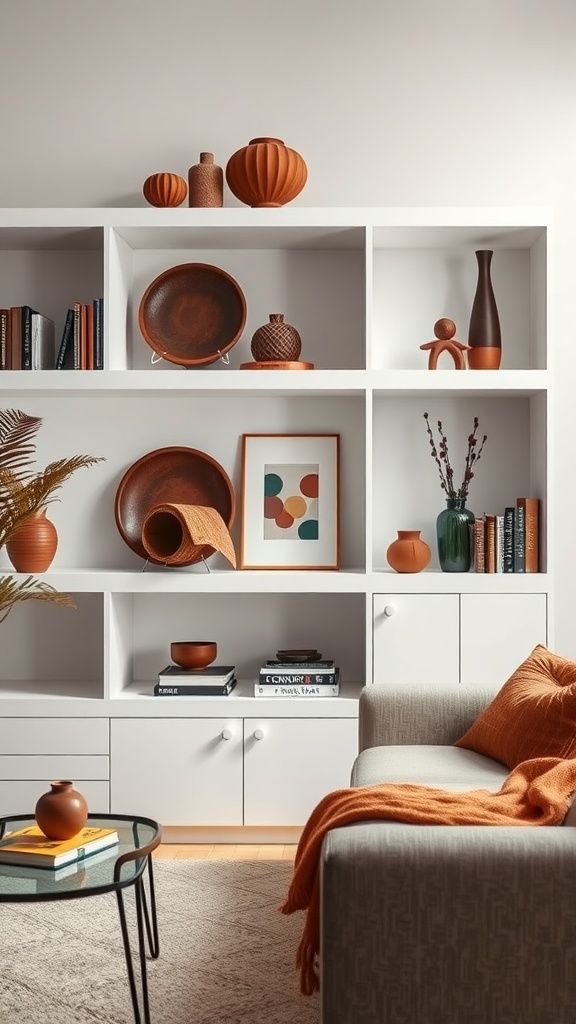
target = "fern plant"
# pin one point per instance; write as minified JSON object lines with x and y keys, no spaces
{"x":23,"y":493}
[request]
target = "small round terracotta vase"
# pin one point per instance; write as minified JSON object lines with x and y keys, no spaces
{"x":32,"y":546}
{"x":62,"y":811}
{"x":164,"y":189}
{"x":408,"y":553}
{"x":276,"y":341}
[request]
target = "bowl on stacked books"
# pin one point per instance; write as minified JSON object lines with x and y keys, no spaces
{"x":298,"y":673}
{"x":210,"y":681}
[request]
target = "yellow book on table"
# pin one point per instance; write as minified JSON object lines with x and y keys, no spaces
{"x":30,"y":847}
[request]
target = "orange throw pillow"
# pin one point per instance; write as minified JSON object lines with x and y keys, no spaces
{"x":533,"y":715}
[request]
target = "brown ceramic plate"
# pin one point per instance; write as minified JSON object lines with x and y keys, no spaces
{"x":298,"y":654}
{"x":192,"y":314}
{"x":181,"y":475}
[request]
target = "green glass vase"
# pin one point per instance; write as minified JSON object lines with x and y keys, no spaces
{"x":454,"y":535}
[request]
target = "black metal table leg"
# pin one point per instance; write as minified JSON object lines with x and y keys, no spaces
{"x":147,"y":925}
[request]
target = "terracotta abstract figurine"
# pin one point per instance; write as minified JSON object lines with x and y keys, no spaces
{"x":444,"y":341}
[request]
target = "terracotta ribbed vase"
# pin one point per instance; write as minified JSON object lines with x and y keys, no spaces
{"x":32,"y":546}
{"x":408,"y":553}
{"x":164,"y":189}
{"x":266,"y":173}
{"x":484,"y":338}
{"x":206,"y":182}
{"x":62,"y":811}
{"x":276,"y":341}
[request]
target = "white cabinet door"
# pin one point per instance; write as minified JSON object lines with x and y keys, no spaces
{"x":416,"y":638}
{"x":498,"y":632}
{"x":290,"y":764}
{"x":179,"y":771}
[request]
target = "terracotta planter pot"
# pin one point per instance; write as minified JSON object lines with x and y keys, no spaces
{"x":61,"y":812}
{"x":32,"y":546}
{"x":408,"y":553}
{"x":266,"y":173}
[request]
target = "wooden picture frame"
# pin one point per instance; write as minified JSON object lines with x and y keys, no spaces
{"x":290,"y":501}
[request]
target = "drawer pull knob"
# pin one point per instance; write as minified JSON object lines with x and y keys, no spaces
{"x":226,"y":734}
{"x":258,"y":734}
{"x":389,"y":610}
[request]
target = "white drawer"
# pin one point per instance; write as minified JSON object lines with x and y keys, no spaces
{"x":54,"y":736}
{"x":54,"y":766}
{"x":20,"y":797}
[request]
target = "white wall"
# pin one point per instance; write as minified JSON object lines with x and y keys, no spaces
{"x":441,"y":102}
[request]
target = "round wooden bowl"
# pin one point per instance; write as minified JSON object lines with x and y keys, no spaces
{"x":193,"y":654}
{"x":192,"y":314}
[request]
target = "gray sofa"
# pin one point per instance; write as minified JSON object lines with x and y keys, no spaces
{"x":429,"y":924}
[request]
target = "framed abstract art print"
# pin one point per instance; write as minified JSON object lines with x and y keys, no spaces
{"x":290,"y":501}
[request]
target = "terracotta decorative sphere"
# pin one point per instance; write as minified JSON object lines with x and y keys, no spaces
{"x":165,"y":189}
{"x":444,"y":329}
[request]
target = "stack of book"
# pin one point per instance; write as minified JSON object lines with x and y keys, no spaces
{"x":298,"y":679}
{"x":82,"y":342}
{"x":509,"y":541}
{"x":26,"y":339}
{"x":29,"y":847}
{"x":212,"y":681}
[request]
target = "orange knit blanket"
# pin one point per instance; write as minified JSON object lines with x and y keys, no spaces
{"x":536,"y":792}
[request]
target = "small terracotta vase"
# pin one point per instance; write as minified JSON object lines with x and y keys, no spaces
{"x":62,"y":811}
{"x":408,"y":553}
{"x":164,"y":189}
{"x":206,"y":183}
{"x":266,"y":173}
{"x":276,"y":341}
{"x":32,"y":546}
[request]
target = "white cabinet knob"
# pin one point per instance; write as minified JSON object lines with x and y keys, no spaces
{"x":389,"y":610}
{"x":258,"y":734}
{"x":226,"y":734}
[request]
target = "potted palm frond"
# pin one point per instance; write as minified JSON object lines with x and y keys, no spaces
{"x":30,"y":538}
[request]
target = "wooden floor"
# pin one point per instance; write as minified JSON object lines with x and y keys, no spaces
{"x":241,"y":851}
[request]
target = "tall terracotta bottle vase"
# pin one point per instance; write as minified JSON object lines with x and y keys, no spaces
{"x":32,"y":546}
{"x":484,"y":338}
{"x":206,"y":183}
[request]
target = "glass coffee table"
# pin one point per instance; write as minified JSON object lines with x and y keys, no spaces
{"x":115,"y":869}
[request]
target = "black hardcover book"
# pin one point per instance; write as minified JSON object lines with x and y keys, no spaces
{"x":205,"y":690}
{"x":27,"y":337}
{"x":519,"y":540}
{"x":198,"y":676}
{"x":509,"y":538}
{"x":65,"y":357}
{"x":305,"y":677}
{"x":98,"y":334}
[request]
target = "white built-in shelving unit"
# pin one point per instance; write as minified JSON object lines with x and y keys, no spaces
{"x":364,"y":288}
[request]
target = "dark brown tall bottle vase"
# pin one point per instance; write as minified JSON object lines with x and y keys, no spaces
{"x":484,"y":337}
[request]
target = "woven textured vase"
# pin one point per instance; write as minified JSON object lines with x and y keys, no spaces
{"x":206,"y":182}
{"x":164,"y":189}
{"x":62,"y":811}
{"x":32,"y":546}
{"x":276,"y":341}
{"x":266,"y":173}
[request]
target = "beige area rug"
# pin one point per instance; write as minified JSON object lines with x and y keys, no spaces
{"x":227,"y":955}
